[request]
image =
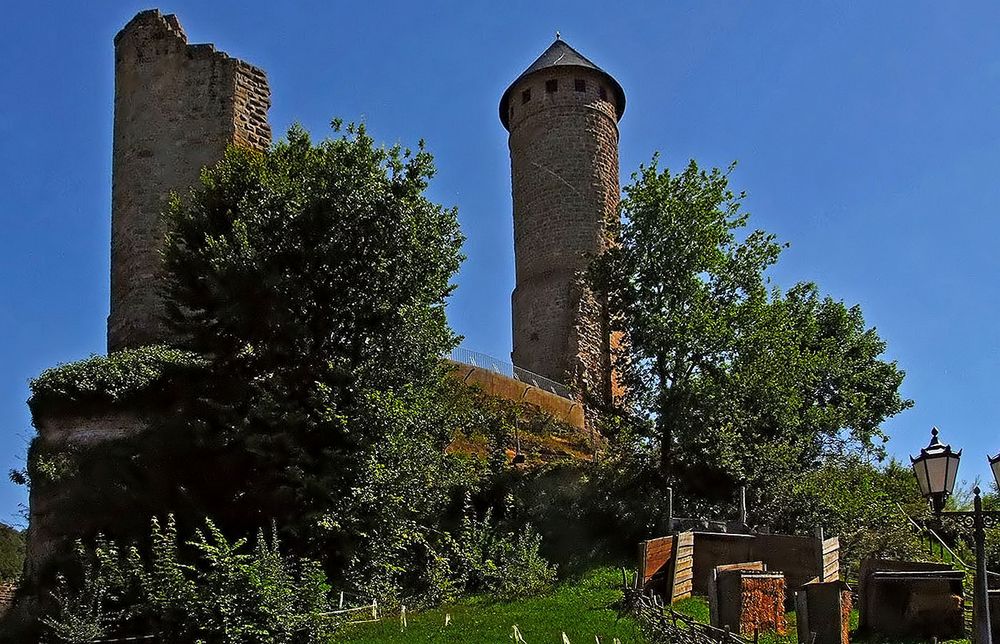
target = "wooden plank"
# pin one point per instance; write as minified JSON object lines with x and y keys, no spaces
{"x":655,"y":558}
{"x":681,"y":583}
{"x":659,"y":552}
{"x":745,"y":565}
{"x":831,"y":559}
{"x":657,"y":545}
{"x":683,"y":575}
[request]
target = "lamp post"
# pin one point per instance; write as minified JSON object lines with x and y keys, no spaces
{"x":936,"y":468}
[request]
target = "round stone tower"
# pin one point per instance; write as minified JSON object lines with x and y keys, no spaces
{"x":562,"y":114}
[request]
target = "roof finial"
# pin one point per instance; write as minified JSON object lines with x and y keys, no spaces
{"x":557,"y":36}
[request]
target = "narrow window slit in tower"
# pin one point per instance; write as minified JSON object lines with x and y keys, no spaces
{"x":551,"y":86}
{"x":580,"y":85}
{"x":526,"y":96}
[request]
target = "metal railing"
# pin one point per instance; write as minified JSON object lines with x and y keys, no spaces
{"x":504,"y":368}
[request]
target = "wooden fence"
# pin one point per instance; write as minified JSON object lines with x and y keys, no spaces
{"x":682,"y":579}
{"x":830,"y":559}
{"x":680,"y":565}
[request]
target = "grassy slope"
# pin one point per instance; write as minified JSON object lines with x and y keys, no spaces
{"x":582,"y":608}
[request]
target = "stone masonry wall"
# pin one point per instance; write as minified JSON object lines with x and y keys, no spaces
{"x":44,"y":536}
{"x":564,"y":175}
{"x":177,"y":108}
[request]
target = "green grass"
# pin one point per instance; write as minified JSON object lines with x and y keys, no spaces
{"x":582,"y":607}
{"x":694,"y":607}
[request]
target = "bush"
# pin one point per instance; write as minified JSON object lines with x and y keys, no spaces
{"x":484,"y":555}
{"x":502,"y":560}
{"x":227,"y":594}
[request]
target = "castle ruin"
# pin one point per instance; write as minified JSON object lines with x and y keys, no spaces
{"x":177,"y":108}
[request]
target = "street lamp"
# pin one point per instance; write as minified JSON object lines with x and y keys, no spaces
{"x":936,"y":469}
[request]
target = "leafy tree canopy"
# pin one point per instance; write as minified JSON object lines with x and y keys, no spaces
{"x":729,"y":378}
{"x":316,"y":265}
{"x":314,"y":276}
{"x":11,"y":552}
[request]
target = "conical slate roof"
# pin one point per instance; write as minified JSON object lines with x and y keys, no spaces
{"x":560,"y":54}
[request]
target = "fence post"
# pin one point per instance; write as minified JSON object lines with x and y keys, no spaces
{"x":670,"y":509}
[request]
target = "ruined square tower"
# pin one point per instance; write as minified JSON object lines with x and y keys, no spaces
{"x":177,"y":108}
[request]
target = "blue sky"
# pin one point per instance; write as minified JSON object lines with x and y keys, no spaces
{"x":867,"y":134}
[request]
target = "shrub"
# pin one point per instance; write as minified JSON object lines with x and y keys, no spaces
{"x":226,"y":594}
{"x":424,"y":566}
{"x":502,"y":560}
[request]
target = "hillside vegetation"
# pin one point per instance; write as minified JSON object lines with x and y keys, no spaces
{"x":314,"y":441}
{"x":11,"y":552}
{"x":582,"y":607}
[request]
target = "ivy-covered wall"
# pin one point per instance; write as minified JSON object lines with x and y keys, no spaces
{"x":116,"y":381}
{"x":93,"y":458}
{"x":116,"y":445}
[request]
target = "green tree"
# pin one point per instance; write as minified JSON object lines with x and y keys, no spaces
{"x":11,"y":553}
{"x":322,"y":269}
{"x":862,"y":503}
{"x":313,"y":276}
{"x":732,"y":379}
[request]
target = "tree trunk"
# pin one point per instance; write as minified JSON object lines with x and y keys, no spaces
{"x":664,"y":417}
